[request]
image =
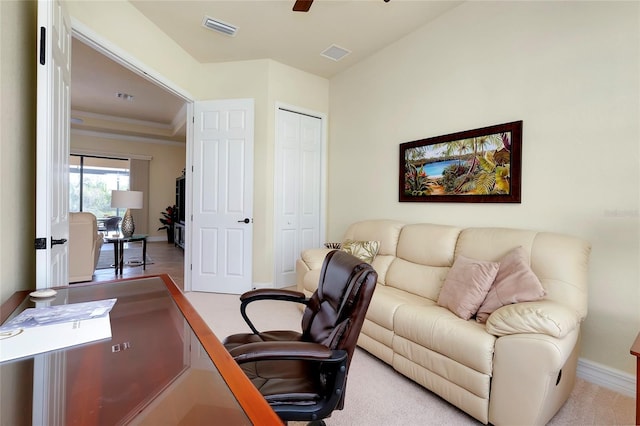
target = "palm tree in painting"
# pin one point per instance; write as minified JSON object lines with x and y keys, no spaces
{"x":455,"y":147}
{"x":493,"y":176}
{"x":415,"y":154}
{"x":480,"y":176}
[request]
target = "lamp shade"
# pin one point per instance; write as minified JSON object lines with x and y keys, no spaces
{"x":126,"y":199}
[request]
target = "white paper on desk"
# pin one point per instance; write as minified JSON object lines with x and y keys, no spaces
{"x":37,"y":330}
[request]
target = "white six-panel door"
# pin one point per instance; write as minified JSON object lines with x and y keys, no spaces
{"x":222,"y":187}
{"x":297,"y":190}
{"x":52,"y":145}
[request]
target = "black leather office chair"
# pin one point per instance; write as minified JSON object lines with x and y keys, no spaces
{"x":303,"y":375}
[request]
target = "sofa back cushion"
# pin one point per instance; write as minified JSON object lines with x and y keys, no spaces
{"x":428,"y":244}
{"x":382,"y":230}
{"x":385,"y":231}
{"x":424,"y":255}
{"x":421,"y":280}
{"x":559,"y":261}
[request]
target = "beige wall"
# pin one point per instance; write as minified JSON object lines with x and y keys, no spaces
{"x":570,"y":71}
{"x":141,"y":42}
{"x":17,"y":146}
{"x":166,"y":164}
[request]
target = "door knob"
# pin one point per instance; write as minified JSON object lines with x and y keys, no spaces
{"x":245,"y":220}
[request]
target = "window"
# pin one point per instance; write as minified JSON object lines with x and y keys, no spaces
{"x":91,"y":180}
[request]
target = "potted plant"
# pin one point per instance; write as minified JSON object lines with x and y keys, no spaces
{"x":168,"y":220}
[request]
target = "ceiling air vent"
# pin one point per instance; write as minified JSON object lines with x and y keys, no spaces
{"x":219,"y":26}
{"x":335,"y":53}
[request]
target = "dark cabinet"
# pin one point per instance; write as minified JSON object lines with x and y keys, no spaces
{"x":178,"y":234}
{"x":179,"y":227}
{"x":180,"y":198}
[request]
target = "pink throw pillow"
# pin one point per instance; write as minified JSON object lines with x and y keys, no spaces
{"x":515,"y":282}
{"x":466,"y":285}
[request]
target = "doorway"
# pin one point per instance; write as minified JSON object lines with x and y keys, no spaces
{"x":156,"y":117}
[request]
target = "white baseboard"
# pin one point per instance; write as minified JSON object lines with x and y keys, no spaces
{"x":607,"y":377}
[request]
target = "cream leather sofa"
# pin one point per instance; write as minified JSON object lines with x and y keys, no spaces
{"x":517,"y":368}
{"x":84,"y":246}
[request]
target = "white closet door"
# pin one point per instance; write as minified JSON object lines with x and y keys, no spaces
{"x":298,"y":191}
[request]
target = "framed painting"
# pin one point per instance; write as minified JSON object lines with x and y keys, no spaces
{"x":475,"y":166}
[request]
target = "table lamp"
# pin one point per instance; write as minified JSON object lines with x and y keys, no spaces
{"x":127,"y":200}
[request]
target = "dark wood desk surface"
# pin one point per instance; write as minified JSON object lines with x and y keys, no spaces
{"x":635,"y":351}
{"x":162,"y":365}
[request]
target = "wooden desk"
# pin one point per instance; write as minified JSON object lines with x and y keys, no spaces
{"x":635,"y":350}
{"x":162,"y":365}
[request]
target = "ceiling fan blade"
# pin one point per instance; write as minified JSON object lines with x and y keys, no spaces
{"x":302,"y":5}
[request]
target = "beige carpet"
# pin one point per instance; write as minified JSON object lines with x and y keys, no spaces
{"x":376,"y":394}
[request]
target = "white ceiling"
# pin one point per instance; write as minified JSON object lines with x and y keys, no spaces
{"x":266,"y":29}
{"x":95,"y":107}
{"x":270,"y":29}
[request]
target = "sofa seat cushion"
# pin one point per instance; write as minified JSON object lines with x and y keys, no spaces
{"x":460,"y":385}
{"x":376,"y":340}
{"x":440,"y":330}
{"x":377,"y":332}
{"x":386,"y":300}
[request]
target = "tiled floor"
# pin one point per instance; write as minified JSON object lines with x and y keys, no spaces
{"x":166,"y":258}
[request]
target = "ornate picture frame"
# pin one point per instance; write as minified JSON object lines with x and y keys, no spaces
{"x":474,"y":166}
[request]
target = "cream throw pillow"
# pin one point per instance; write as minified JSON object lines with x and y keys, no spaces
{"x":515,"y":282}
{"x":466,"y":285}
{"x":363,"y":250}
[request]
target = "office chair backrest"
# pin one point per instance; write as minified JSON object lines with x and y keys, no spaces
{"x":336,"y":310}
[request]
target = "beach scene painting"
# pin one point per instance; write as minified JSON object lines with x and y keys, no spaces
{"x":480,"y":165}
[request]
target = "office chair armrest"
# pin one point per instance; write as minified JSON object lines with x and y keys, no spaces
{"x":273,"y":294}
{"x":263,"y":351}
{"x":268,"y":294}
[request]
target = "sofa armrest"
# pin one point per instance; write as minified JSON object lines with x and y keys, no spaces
{"x":308,"y":268}
{"x":533,"y":375}
{"x":543,"y":317}
{"x":313,"y":258}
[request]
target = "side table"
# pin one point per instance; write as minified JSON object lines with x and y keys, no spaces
{"x":118,"y":250}
{"x":635,"y":350}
